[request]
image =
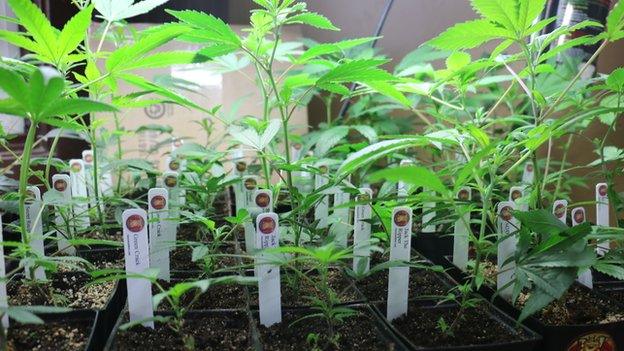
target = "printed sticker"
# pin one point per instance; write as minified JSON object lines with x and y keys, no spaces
{"x":269,"y":289}
{"x":161,"y":236}
{"x":79,"y":194}
{"x":362,"y":231}
{"x":602,"y":214}
{"x":63,"y":213}
{"x":461,"y":230}
{"x":34,"y":225}
{"x":398,"y":277}
{"x":507,"y":226}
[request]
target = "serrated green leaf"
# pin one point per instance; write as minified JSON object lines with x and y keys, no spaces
{"x":37,"y":25}
{"x":415,"y":175}
{"x":500,"y":11}
{"x":365,"y":70}
{"x":116,"y":10}
{"x":469,"y":35}
{"x":313,"y":19}
{"x":212,"y":29}
{"x":615,"y":21}
{"x":330,"y":48}
{"x":330,"y":138}
{"x":74,"y":32}
{"x":457,"y":60}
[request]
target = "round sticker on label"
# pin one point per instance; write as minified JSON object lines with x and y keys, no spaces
{"x":595,"y":341}
{"x":177,"y":143}
{"x":263,"y":200}
{"x":250,"y":183}
{"x":506,"y":213}
{"x":241,"y":166}
{"x":135,"y":223}
{"x":323,"y":169}
{"x":76,"y":167}
{"x":363,"y":197}
{"x":560,"y":211}
{"x":60,"y":185}
{"x":158,"y":202}
{"x":463,"y":195}
{"x":88,"y":158}
{"x":602,"y":190}
{"x":171,"y":181}
{"x":267,"y":225}
{"x":401,"y":218}
{"x":579,"y":216}
{"x":174,"y":165}
{"x":516,"y":194}
{"x":529,"y":167}
{"x":297,"y":146}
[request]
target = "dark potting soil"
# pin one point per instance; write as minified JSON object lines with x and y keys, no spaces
{"x":65,"y":289}
{"x":108,"y":234}
{"x":296,"y":293}
{"x":581,"y":306}
{"x":104,"y":258}
{"x":216,"y":297}
{"x":474,"y":327}
{"x":181,"y":259}
{"x":51,"y":336}
{"x":358,"y":332}
{"x":219,"y":332}
{"x":422,"y":283}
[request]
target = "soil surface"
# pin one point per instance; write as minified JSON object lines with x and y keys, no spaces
{"x":108,"y":234}
{"x":422,"y":283}
{"x":216,"y":297}
{"x":296,"y":293}
{"x":475,"y":327}
{"x":104,"y":258}
{"x":219,"y":332}
{"x":581,"y":306}
{"x":181,"y":259}
{"x":66,"y":289}
{"x":50,"y":336}
{"x":358,"y":332}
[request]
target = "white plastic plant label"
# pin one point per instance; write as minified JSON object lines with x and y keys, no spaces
{"x":585,"y":277}
{"x":263,"y":203}
{"x":428,"y":214}
{"x":560,"y":210}
{"x":516,"y":195}
{"x":170,"y":182}
{"x":295,"y":151}
{"x":398,"y":277}
{"x":4,"y":301}
{"x":461,"y":229}
{"x":321,"y":210}
{"x":602,"y":213}
{"x":507,"y":226}
{"x":87,"y":158}
{"x":269,"y":289}
{"x":528,"y":174}
{"x":239,"y":169}
{"x":250,"y":185}
{"x":34,"y":225}
{"x":161,"y":240}
{"x":79,"y":194}
{"x":341,"y":229}
{"x":136,"y":250}
{"x":362,"y":232}
{"x":62,"y":186}
{"x":402,"y":188}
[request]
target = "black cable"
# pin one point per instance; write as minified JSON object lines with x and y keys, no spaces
{"x":382,"y":21}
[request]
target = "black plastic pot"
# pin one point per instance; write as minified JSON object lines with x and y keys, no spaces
{"x":433,"y":246}
{"x":529,"y":342}
{"x":557,"y":337}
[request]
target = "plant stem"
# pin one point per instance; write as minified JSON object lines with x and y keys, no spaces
{"x":23,"y":178}
{"x":106,"y":28}
{"x":50,"y":154}
{"x":563,"y":162}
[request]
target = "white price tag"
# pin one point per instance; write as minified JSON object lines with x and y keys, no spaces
{"x":507,"y":225}
{"x":170,"y":182}
{"x":250,"y":185}
{"x":560,"y":210}
{"x":239,"y":169}
{"x":136,"y":250}
{"x":602,"y":213}
{"x":428,"y":214}
{"x":340,"y":230}
{"x":462,"y":229}
{"x":362,"y":232}
{"x":269,"y":289}
{"x":87,"y":158}
{"x":321,"y":210}
{"x":161,"y":237}
{"x":528,"y":174}
{"x":516,"y":195}
{"x":79,"y":194}
{"x":398,"y":277}
{"x":61,"y":184}
{"x":34,"y":224}
{"x":402,"y":188}
{"x":585,"y":277}
{"x":263,"y":203}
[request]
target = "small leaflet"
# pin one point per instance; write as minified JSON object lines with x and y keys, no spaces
{"x":584,"y":277}
{"x":428,"y":214}
{"x":560,"y":210}
{"x":34,"y":225}
{"x":170,"y":182}
{"x":4,"y":302}
{"x":321,"y":210}
{"x":62,"y":186}
{"x":402,"y":188}
{"x":516,"y":195}
{"x":362,"y":232}
{"x":507,"y":225}
{"x":462,"y":229}
{"x":528,"y":174}
{"x":398,"y":277}
{"x":602,"y":214}
{"x":269,"y":290}
{"x":136,"y":252}
{"x":341,"y":229}
{"x":161,"y":240}
{"x":79,"y":194}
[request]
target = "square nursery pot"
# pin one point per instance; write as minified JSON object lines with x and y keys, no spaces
{"x":293,"y":299}
{"x":485,"y":328}
{"x":212,"y":330}
{"x":363,"y":332}
{"x":433,"y":246}
{"x":75,"y":330}
{"x":608,"y":336}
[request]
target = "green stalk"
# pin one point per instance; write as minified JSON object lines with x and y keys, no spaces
{"x":50,"y":154}
{"x":119,"y":154}
{"x":23,"y":178}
